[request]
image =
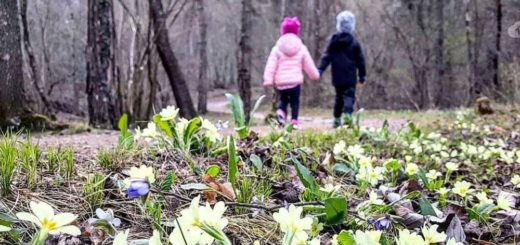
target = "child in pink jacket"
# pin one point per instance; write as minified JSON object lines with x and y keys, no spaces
{"x":288,"y":58}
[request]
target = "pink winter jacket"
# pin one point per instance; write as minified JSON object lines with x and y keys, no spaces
{"x":286,"y":62}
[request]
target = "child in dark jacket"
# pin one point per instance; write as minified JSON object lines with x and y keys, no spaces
{"x":346,"y":57}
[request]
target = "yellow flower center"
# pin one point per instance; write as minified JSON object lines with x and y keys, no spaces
{"x":49,"y":224}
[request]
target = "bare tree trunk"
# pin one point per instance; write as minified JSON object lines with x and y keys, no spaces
{"x":11,"y":74}
{"x":245,"y":56}
{"x":440,"y":83}
{"x":498,"y":48}
{"x":101,"y":71}
{"x":203,"y":68}
{"x":34,"y":72}
{"x":170,"y":62}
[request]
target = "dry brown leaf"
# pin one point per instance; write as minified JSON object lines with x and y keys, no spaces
{"x":227,"y":190}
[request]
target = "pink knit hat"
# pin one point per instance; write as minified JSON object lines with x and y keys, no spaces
{"x":290,"y":25}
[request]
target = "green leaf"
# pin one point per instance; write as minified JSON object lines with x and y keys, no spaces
{"x":422,"y":175}
{"x":168,"y":181}
{"x":335,"y":210}
{"x":213,"y":171}
{"x":123,"y":123}
{"x":346,"y":238}
{"x":237,"y":109}
{"x":342,"y":168}
{"x":304,"y":174}
{"x":392,"y":164}
{"x":255,"y":108}
{"x":256,"y":161}
{"x":126,"y":139}
{"x":163,"y":125}
{"x":232,"y":161}
{"x":426,"y":207}
{"x":193,"y":126}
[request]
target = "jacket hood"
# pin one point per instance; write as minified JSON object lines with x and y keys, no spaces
{"x":346,"y":22}
{"x":289,"y":44}
{"x":344,"y":38}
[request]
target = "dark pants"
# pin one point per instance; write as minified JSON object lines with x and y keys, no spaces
{"x":290,"y":96}
{"x":345,"y":100}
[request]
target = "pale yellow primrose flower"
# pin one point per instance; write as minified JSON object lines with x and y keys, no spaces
{"x":211,"y":131}
{"x":451,"y":166}
{"x":411,"y":169}
{"x":462,"y":188}
{"x":503,"y":202}
{"x":4,"y":228}
{"x":432,"y":236}
{"x":143,"y":172}
{"x":169,"y":113}
{"x":315,"y":241}
{"x":516,"y":180}
{"x":44,"y":217}
{"x":121,"y":238}
{"x":443,"y":191}
{"x":334,"y":240}
{"x":291,"y":222}
{"x":433,"y":174}
{"x":452,"y":241}
{"x":340,"y":148}
{"x":356,"y":151}
{"x":194,"y":218}
{"x":367,"y":237}
{"x":483,"y":199}
{"x":407,"y":238}
{"x":155,"y":239}
{"x":330,"y":188}
{"x":365,"y":162}
{"x":374,"y":199}
{"x":150,"y":131}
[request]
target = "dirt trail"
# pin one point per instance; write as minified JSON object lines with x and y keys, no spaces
{"x":218,"y":103}
{"x":86,"y":145}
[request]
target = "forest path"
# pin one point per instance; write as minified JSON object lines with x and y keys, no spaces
{"x":218,"y":104}
{"x":86,"y":145}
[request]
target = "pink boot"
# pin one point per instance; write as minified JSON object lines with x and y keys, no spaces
{"x":295,"y":123}
{"x":280,"y":117}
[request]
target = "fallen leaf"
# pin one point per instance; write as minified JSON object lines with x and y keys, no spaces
{"x":227,"y":190}
{"x":455,"y":229}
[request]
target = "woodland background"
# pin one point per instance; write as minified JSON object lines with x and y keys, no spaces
{"x":110,"y":54}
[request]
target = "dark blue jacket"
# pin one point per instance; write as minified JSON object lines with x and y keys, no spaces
{"x":345,"y":55}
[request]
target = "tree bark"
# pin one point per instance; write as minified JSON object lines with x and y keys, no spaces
{"x":440,"y":83}
{"x":170,"y":62}
{"x":498,"y":48}
{"x":11,"y":74}
{"x":245,"y":56}
{"x":104,"y":110}
{"x":203,"y":68}
{"x":33,"y":66}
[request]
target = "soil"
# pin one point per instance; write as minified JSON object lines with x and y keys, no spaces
{"x":87,"y":144}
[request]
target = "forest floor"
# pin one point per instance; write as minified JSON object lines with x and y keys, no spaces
{"x":88,"y":142}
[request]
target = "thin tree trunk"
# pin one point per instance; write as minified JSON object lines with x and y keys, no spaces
{"x":498,"y":48}
{"x":440,"y":83}
{"x":170,"y":62}
{"x":101,"y":75}
{"x":245,"y":56}
{"x":34,"y":72}
{"x":471,"y":55}
{"x":11,"y":76}
{"x":203,"y":68}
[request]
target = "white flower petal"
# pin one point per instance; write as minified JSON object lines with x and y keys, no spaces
{"x":42,"y":210}
{"x":64,"y":219}
{"x":68,"y":229}
{"x":29,"y":217}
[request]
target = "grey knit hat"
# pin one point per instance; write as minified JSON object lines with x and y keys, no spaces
{"x":346,"y":22}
